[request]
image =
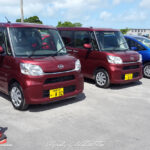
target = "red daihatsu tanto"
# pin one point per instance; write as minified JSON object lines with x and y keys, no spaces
{"x":33,"y":71}
{"x":104,"y":55}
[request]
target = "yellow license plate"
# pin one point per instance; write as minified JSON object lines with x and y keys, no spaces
{"x":56,"y":92}
{"x":129,"y":76}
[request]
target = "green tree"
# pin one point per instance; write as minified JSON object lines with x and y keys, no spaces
{"x":124,"y":31}
{"x":68,"y":24}
{"x":34,"y":19}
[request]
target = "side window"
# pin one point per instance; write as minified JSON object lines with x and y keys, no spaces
{"x":81,"y":38}
{"x":132,"y":43}
{"x":7,"y":43}
{"x":4,"y":42}
{"x":2,"y":39}
{"x":139,"y":47}
{"x":67,"y":37}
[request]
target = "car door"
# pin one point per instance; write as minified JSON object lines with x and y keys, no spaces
{"x":80,"y":38}
{"x":87,"y":57}
{"x":6,"y":60}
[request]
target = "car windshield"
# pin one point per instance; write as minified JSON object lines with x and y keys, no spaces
{"x":144,"y":41}
{"x":111,"y":41}
{"x":30,"y":42}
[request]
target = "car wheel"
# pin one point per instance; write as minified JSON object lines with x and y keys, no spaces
{"x":146,"y":70}
{"x":102,"y":78}
{"x":17,"y":98}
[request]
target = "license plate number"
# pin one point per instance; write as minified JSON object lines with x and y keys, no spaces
{"x":129,"y":76}
{"x":56,"y":92}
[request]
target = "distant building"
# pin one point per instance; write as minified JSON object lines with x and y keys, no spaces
{"x":140,"y":32}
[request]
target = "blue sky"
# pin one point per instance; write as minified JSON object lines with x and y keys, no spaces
{"x":96,"y":13}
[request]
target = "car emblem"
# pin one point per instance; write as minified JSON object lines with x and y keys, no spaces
{"x":60,"y":66}
{"x":131,"y":58}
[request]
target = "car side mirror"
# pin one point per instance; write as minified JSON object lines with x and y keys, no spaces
{"x":134,"y":48}
{"x":1,"y":50}
{"x":87,"y":46}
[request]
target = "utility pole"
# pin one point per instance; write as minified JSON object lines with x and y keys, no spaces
{"x":22,"y":15}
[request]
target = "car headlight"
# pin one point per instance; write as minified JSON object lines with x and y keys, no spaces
{"x":114,"y":59}
{"x":30,"y":69}
{"x":140,"y":58}
{"x":77,"y":65}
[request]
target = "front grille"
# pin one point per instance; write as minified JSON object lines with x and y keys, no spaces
{"x":135,"y":75}
{"x":131,"y":67}
{"x":67,"y":89}
{"x":59,"y":79}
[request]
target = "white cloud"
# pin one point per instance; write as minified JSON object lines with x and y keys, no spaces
{"x":64,"y":9}
{"x":132,"y":16}
{"x":145,"y":3}
{"x":105,"y":15}
{"x":86,"y":12}
{"x":9,"y":2}
{"x":9,"y":8}
{"x":116,"y":2}
{"x":7,"y":11}
{"x":33,"y":9}
{"x":75,"y":8}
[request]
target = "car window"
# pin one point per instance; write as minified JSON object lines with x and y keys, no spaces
{"x":1,"y":37}
{"x":67,"y":37}
{"x":111,"y":41}
{"x":133,"y":43}
{"x":81,"y":38}
{"x":35,"y":42}
{"x":144,"y":41}
{"x":4,"y":40}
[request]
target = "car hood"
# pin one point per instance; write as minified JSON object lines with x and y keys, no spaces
{"x":52,"y":64}
{"x":126,"y":56}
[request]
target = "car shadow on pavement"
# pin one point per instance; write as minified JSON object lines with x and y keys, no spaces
{"x":123,"y":86}
{"x":53,"y":105}
{"x":116,"y":86}
{"x":4,"y":96}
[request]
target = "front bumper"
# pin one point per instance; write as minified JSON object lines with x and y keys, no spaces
{"x":117,"y":72}
{"x":36,"y":90}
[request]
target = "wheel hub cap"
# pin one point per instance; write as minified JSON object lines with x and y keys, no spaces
{"x":16,"y":96}
{"x":101,"y":79}
{"x":147,"y":71}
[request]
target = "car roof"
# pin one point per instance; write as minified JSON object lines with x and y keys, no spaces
{"x":19,"y":25}
{"x":86,"y":29}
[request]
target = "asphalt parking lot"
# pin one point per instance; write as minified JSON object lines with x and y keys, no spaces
{"x":117,"y":118}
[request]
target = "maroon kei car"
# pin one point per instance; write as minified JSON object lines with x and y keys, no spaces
{"x":104,"y":55}
{"x":33,"y":71}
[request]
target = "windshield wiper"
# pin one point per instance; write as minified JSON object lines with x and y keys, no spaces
{"x":64,"y":47}
{"x":57,"y":52}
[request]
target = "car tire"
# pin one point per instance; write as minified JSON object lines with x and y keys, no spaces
{"x":146,"y":70}
{"x":102,"y":78}
{"x":16,"y":97}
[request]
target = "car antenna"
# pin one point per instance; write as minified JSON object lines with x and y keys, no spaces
{"x":7,"y":20}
